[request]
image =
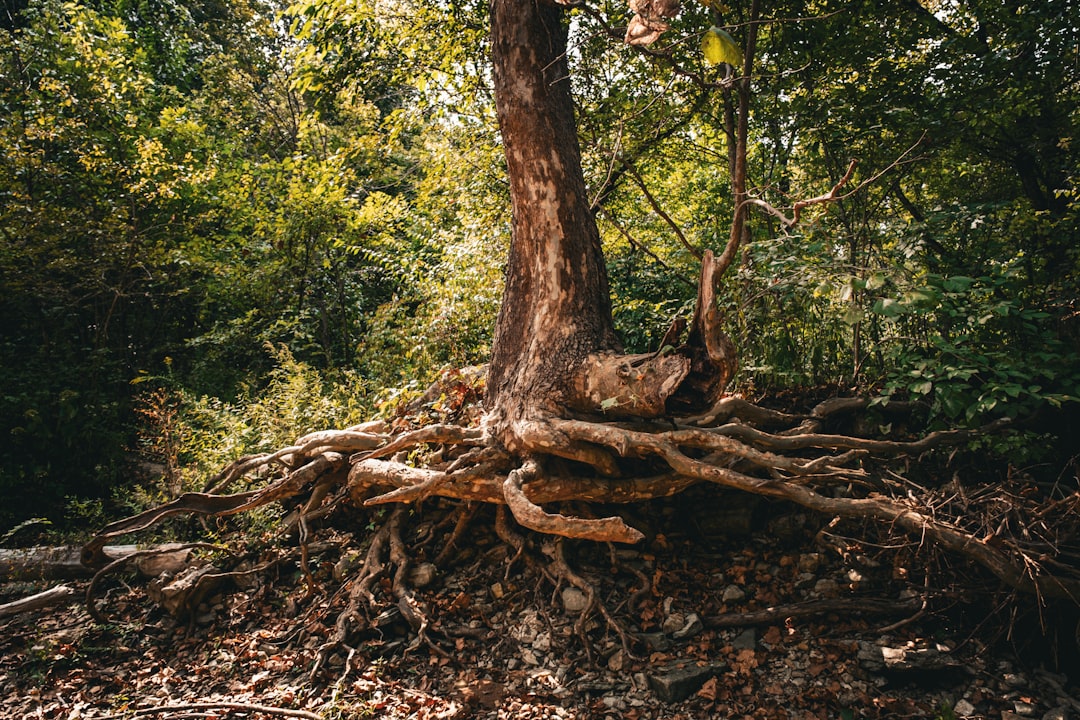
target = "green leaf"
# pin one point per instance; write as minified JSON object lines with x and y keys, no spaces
{"x":958,"y":283}
{"x":922,"y":388}
{"x":853,"y":315}
{"x":719,"y":47}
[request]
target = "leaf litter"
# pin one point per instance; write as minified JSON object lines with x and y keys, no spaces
{"x":733,"y":626}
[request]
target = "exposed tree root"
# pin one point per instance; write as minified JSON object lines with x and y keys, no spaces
{"x":562,"y":571}
{"x":737,"y":445}
{"x":465,"y":513}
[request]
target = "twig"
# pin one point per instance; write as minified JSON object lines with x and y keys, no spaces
{"x":189,"y":707}
{"x":660,"y":211}
{"x":831,"y":196}
{"x":797,"y":208}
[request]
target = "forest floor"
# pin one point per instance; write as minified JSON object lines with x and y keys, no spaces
{"x":507,"y":645}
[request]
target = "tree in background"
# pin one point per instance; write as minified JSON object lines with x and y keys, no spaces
{"x":172,"y":204}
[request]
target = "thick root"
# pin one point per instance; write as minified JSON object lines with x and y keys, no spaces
{"x":778,"y":455}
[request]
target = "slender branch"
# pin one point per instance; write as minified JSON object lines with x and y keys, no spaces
{"x":660,"y":211}
{"x":797,"y":208}
{"x":833,"y":194}
{"x":641,"y":246}
{"x":194,"y":707}
{"x":738,"y":179}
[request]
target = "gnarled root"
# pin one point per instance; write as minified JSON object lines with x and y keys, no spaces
{"x":785,"y":456}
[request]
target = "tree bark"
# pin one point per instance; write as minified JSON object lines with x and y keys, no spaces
{"x":555,"y":349}
{"x":48,"y":598}
{"x":556,"y":309}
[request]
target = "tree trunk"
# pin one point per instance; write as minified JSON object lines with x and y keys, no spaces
{"x":555,"y":350}
{"x":556,"y":308}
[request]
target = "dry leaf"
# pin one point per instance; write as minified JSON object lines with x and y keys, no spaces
{"x":708,"y":690}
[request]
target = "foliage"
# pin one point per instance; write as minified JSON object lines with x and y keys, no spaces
{"x":975,"y":350}
{"x":188,"y":438}
{"x":182,"y":185}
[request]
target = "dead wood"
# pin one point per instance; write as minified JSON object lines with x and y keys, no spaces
{"x":65,"y":562}
{"x":781,"y":613}
{"x":210,"y":706}
{"x":47,"y":598}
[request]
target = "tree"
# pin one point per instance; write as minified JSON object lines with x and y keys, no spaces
{"x":571,"y":418}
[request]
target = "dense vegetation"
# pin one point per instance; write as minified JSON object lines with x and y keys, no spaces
{"x":227,"y":223}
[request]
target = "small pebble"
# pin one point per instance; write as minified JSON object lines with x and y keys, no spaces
{"x":733,"y":593}
{"x":574,"y":600}
{"x":963,"y":708}
{"x":827,"y":587}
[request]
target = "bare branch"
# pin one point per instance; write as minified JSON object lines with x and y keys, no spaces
{"x":833,"y":194}
{"x":690,"y":248}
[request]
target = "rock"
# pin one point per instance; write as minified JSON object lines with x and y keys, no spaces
{"x":527,"y":628}
{"x":788,"y":527}
{"x":675,"y":684}
{"x":733,"y":593}
{"x":616,"y":662}
{"x":1024,"y":709}
{"x":827,"y":587}
{"x":1058,"y":713}
{"x":542,"y":643}
{"x":613,"y":702}
{"x":746,"y":640}
{"x":692,"y":627}
{"x":349,"y":562}
{"x":809,"y":562}
{"x":655,"y":641}
{"x":673,"y":623}
{"x":423,"y":575}
{"x":963,"y":708}
{"x":387,"y":617}
{"x":1014,"y":680}
{"x":573,"y":600}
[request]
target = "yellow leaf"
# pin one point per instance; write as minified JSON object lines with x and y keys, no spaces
{"x":719,"y":47}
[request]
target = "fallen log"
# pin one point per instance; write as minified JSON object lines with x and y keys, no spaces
{"x":53,"y":596}
{"x":65,"y":562}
